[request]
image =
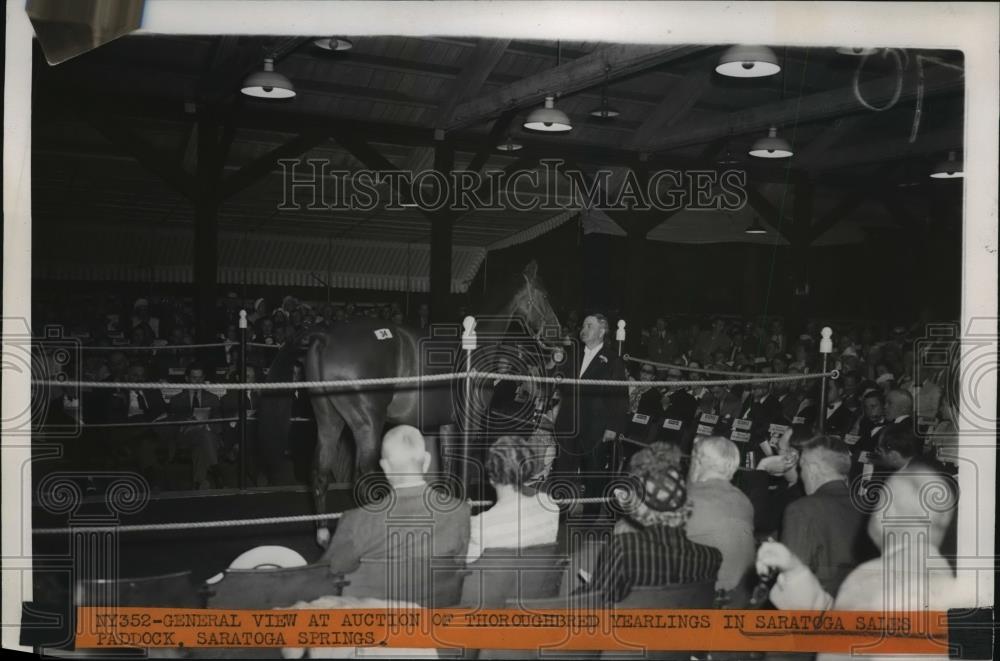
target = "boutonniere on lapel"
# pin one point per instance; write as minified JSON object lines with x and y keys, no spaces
{"x":603,"y":359}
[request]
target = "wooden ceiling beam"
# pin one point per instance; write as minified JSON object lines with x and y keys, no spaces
{"x":264,"y":165}
{"x":890,"y":150}
{"x":809,"y":108}
{"x":772,"y":214}
{"x":815,"y":150}
{"x":481,"y":62}
{"x":606,"y":63}
{"x":148,"y":157}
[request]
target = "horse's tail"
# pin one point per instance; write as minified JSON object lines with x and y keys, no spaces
{"x":274,"y":417}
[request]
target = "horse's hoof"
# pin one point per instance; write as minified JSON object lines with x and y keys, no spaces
{"x":323,"y":537}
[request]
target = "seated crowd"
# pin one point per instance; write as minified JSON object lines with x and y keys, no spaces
{"x":681,"y":535}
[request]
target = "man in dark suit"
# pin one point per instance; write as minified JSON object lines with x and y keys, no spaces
{"x":871,"y":423}
{"x":825,"y":529}
{"x":837,"y":418}
{"x":643,"y":399}
{"x":408,"y":525}
{"x":787,"y":400}
{"x":136,"y":406}
{"x":590,"y":417}
{"x":679,"y":405}
{"x":660,"y":345}
{"x":231,"y":434}
{"x":202,"y":439}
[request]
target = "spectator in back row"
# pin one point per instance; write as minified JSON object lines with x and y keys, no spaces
{"x":645,"y":399}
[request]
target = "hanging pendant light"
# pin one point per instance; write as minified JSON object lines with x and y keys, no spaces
{"x":268,"y":84}
{"x":509,"y":145}
{"x":548,"y":118}
{"x":771,"y":146}
{"x":604,"y":111}
{"x":755,"y":227}
{"x":334,"y":43}
{"x":950,"y":169}
{"x":857,"y":51}
{"x":748,"y":62}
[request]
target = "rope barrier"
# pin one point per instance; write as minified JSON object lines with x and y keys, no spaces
{"x":263,"y":521}
{"x":700,"y":370}
{"x":162,"y":347}
{"x":262,"y":345}
{"x":435,"y":378}
{"x":151,"y":423}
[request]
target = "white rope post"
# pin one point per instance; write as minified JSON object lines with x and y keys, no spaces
{"x":469,"y":345}
{"x":620,"y":336}
{"x":825,"y":348}
{"x":241,"y":398}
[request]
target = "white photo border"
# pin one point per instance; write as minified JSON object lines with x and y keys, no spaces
{"x":969,"y":27}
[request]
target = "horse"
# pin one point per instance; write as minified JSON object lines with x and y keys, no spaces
{"x":373,"y":348}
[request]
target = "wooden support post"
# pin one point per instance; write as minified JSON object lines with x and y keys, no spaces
{"x":206,"y":227}
{"x":442,"y":225}
{"x":800,"y":237}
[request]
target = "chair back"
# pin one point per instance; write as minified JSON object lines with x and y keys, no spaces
{"x":175,"y":590}
{"x":273,"y":588}
{"x":531,"y":572}
{"x":689,"y":595}
{"x":432,"y":582}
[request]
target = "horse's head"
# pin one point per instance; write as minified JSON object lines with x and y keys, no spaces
{"x":531,"y":304}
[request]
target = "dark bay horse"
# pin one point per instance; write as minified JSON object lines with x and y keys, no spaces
{"x":373,"y":348}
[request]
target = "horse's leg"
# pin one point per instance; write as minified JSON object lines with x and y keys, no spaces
{"x":329,"y":426}
{"x":365,"y":413}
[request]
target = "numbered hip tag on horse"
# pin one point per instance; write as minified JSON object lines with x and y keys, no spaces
{"x":383,"y":334}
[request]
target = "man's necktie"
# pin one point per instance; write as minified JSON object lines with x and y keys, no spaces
{"x":141,"y":401}
{"x":195,"y":400}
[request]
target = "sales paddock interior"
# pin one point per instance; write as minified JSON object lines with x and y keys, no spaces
{"x":867,"y":25}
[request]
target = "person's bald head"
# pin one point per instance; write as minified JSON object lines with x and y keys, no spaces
{"x":404,"y":454}
{"x":918,"y":498}
{"x":897,"y":403}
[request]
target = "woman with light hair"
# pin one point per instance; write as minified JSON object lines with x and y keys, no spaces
{"x":522,"y":515}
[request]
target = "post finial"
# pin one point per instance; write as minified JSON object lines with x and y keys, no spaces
{"x":826,"y":343}
{"x":469,"y":333}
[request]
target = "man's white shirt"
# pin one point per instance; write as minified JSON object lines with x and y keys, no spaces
{"x":588,"y":357}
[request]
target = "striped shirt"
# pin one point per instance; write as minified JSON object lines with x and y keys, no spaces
{"x":514,"y":524}
{"x":653,"y":556}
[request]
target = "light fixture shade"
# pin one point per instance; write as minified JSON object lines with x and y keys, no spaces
{"x":548,"y":118}
{"x":858,"y":51}
{"x":755,"y":227}
{"x":605,"y":112}
{"x":771,"y":146}
{"x":334,"y":43}
{"x":268,"y":84}
{"x":510,"y":145}
{"x":748,"y":62}
{"x":950,"y":169}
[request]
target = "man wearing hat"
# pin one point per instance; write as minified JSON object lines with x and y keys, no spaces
{"x":657,"y":552}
